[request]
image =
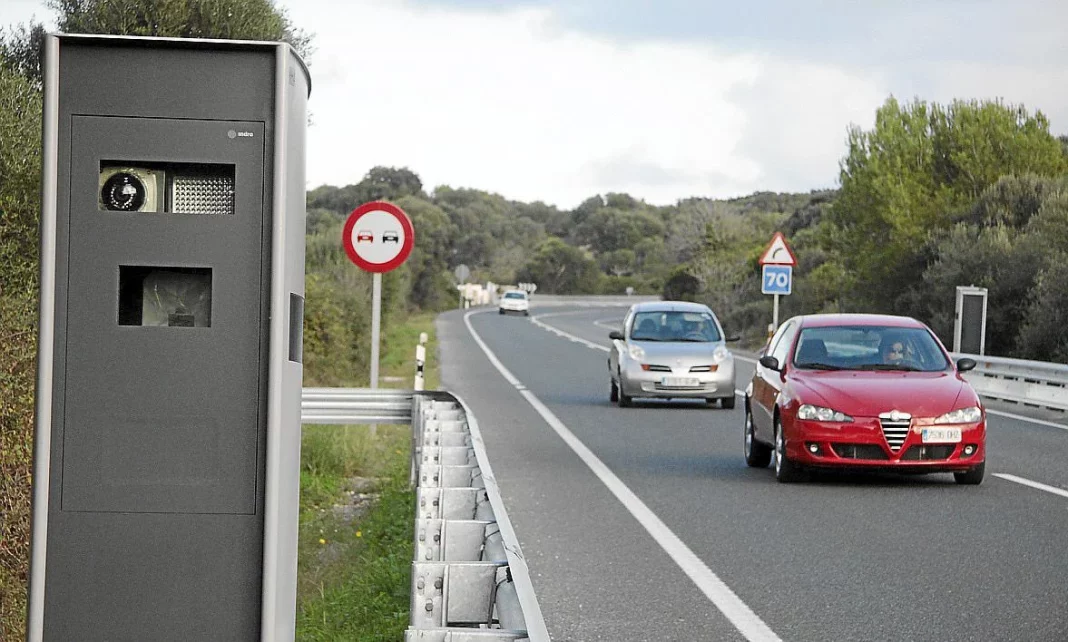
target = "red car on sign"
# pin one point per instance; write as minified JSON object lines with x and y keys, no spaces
{"x":365,"y":236}
{"x":872,"y":392}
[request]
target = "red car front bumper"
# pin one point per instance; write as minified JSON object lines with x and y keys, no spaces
{"x":863,"y":444}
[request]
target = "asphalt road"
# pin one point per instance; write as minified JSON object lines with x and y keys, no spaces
{"x":645,"y":523}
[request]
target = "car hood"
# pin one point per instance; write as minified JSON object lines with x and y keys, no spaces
{"x":867,"y":394}
{"x":675,"y":350}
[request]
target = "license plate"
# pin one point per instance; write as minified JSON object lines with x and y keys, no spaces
{"x":680,"y":382}
{"x":941,"y":435}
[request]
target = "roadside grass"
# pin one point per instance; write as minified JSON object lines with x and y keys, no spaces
{"x":356,"y":513}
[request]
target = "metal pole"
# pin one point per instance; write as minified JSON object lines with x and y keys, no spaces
{"x":376,"y":324}
{"x":775,"y":316}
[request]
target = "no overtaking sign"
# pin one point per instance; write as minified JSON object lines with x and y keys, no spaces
{"x":378,"y":236}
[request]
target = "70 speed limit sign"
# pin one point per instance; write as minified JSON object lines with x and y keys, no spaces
{"x":777,"y":279}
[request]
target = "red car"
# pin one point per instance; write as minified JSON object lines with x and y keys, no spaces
{"x":859,"y":391}
{"x":365,"y":236}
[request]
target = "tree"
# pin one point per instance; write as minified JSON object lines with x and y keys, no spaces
{"x":388,"y":183}
{"x":20,"y":162}
{"x":559,"y":268}
{"x":1044,"y":336}
{"x":431,"y":285}
{"x":913,"y":172}
{"x":681,"y":286}
{"x":1000,"y":259}
{"x":610,"y":229}
{"x":229,"y":19}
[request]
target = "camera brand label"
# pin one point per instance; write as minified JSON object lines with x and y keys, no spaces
{"x":232,"y":134}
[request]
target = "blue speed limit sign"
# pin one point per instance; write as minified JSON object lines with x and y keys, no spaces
{"x":777,"y":279}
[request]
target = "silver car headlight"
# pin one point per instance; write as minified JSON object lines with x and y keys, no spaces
{"x":637,"y":353}
{"x":961,"y":416}
{"x":819,"y":413}
{"x":721,"y":354}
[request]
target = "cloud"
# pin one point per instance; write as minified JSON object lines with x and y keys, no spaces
{"x":518,"y":103}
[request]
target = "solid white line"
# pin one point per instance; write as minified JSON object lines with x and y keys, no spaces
{"x":1033,"y":484}
{"x":740,"y":615}
{"x":1022,"y":418}
{"x":590,"y":344}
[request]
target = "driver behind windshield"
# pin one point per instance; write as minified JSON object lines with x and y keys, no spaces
{"x":893,"y":351}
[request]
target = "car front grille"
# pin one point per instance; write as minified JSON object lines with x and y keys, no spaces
{"x":859,"y":451}
{"x":927,"y":453}
{"x":895,"y":430}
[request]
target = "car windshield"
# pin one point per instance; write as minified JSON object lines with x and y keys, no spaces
{"x":514,"y":295}
{"x":869,"y":348}
{"x":674,"y":326}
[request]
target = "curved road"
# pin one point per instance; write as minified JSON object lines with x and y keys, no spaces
{"x":645,"y":523}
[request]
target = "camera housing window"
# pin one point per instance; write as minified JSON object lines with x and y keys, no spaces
{"x":177,"y":188}
{"x":173,"y":297}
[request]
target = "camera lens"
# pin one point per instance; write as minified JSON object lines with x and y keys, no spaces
{"x":123,"y":192}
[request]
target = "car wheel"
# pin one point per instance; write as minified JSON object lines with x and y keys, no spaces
{"x":971,"y":477}
{"x":727,"y":402}
{"x":500,"y":311}
{"x":526,"y":313}
{"x":786,"y":471}
{"x":757,"y":455}
{"x":624,"y":400}
{"x":613,"y":394}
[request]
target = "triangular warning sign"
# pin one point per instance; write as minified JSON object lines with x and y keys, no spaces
{"x":778,"y":252}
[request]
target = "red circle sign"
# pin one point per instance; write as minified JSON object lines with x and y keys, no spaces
{"x":378,"y":236}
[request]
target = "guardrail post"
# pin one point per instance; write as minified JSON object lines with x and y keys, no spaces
{"x":420,"y":360}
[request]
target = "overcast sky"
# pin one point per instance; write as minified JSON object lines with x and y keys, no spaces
{"x":557,"y":100}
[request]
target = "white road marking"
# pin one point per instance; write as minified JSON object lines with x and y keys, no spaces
{"x":538,"y":322}
{"x":740,"y":615}
{"x":1022,"y":418}
{"x":1033,"y":484}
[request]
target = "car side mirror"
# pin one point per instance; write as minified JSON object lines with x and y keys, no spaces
{"x":965,"y":364}
{"x":770,"y":363}
{"x":615,"y":335}
{"x":733,"y":339}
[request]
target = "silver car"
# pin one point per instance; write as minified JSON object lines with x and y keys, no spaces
{"x":671,"y":349}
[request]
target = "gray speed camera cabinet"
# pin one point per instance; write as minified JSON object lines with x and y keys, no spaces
{"x":172,"y":283}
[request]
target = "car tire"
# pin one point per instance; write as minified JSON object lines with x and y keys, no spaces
{"x":786,"y":471}
{"x":625,"y":401}
{"x":500,"y":311}
{"x":727,"y":402}
{"x":757,"y":455}
{"x":972,"y":476}
{"x":613,"y":394}
{"x":526,"y":313}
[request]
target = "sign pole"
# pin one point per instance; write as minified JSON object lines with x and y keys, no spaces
{"x":376,"y":324}
{"x":775,"y":315}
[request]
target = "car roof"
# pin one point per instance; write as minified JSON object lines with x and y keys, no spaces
{"x":515,"y":292}
{"x":669,"y":306}
{"x":836,"y":319}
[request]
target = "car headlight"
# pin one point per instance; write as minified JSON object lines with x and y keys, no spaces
{"x":819,"y":413}
{"x":961,"y":416}
{"x":637,"y":353}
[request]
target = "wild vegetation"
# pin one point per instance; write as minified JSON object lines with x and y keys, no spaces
{"x":931,"y":197}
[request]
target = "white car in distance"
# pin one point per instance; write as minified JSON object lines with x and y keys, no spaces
{"x":514,"y":302}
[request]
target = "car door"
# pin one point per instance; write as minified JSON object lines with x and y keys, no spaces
{"x":617,"y":345}
{"x":767,"y":383}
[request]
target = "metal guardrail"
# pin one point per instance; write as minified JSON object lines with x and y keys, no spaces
{"x":355,"y":406}
{"x":469,"y":579}
{"x":1032,"y":383}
